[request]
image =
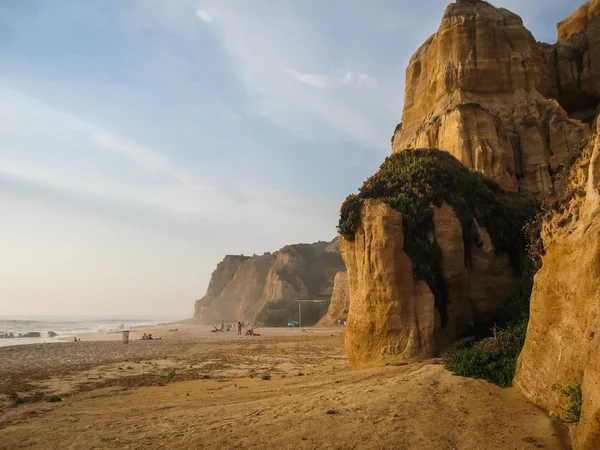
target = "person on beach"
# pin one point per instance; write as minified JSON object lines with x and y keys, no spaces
{"x":239,"y":327}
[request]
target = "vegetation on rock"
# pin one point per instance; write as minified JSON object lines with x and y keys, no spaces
{"x":412,"y":182}
{"x":571,"y":409}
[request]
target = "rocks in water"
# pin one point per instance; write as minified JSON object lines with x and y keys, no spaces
{"x":432,"y":250}
{"x":563,"y":338}
{"x":52,"y":334}
{"x":484,"y":90}
{"x":242,"y":285}
{"x":31,"y":334}
{"x":340,"y":302}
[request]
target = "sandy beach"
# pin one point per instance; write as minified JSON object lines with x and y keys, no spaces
{"x":284,"y":389}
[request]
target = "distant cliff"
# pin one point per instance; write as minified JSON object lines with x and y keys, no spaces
{"x":340,"y":302}
{"x":241,"y":285}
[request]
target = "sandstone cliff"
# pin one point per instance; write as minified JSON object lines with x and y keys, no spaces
{"x":422,"y":267}
{"x":576,"y":57}
{"x":563,"y":337}
{"x":483,"y":89}
{"x":241,"y":285}
{"x":340,"y":301}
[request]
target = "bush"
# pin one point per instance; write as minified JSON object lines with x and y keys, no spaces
{"x":493,"y":359}
{"x":414,"y":181}
{"x":571,"y":410}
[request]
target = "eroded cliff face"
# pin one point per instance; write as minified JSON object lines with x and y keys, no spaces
{"x":576,"y":57}
{"x":340,"y":301}
{"x":483,"y":89}
{"x":393,"y":317}
{"x":241,"y":285}
{"x":563,"y":337}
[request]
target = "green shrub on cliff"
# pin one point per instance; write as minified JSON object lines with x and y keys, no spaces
{"x":494,"y":358}
{"x":414,"y":181}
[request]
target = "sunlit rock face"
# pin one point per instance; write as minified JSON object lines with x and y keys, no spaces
{"x":563,"y":337}
{"x":482,"y":89}
{"x":241,"y":285}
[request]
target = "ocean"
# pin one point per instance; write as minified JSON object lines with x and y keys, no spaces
{"x":67,"y":326}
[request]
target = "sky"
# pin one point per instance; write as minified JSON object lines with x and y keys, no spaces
{"x":143,"y":140}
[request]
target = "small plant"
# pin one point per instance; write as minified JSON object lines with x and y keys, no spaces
{"x":266,"y":377}
{"x":300,"y":374}
{"x":493,"y":359}
{"x":15,"y":399}
{"x":53,"y":399}
{"x":570,"y":411}
{"x":171,"y":374}
{"x":129,"y":368}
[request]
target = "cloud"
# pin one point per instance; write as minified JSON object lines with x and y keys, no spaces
{"x":361,"y":79}
{"x":312,"y":79}
{"x":204,"y":15}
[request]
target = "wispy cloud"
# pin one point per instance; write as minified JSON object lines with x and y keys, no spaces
{"x":312,"y":79}
{"x":138,"y":154}
{"x":358,"y":79}
{"x":204,"y":15}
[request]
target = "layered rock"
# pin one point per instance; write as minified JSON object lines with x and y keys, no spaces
{"x":577,"y":61}
{"x":242,"y":285}
{"x":563,"y":337}
{"x":340,"y":302}
{"x":482,"y":89}
{"x":392,"y":316}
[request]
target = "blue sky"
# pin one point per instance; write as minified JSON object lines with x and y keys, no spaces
{"x":142,"y":140}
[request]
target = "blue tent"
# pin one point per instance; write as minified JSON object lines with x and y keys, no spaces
{"x":293,"y":323}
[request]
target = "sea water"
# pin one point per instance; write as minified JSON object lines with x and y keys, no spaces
{"x":68,"y":326}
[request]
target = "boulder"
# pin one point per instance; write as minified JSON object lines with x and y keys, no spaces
{"x":52,"y":334}
{"x":563,"y":337}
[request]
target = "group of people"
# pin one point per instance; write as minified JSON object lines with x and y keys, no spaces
{"x":148,"y":337}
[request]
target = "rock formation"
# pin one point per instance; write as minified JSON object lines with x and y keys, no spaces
{"x":576,"y":57}
{"x":401,"y":308}
{"x":392,"y":316}
{"x":563,"y":337}
{"x":483,"y":89}
{"x":241,"y":285}
{"x":340,"y":301}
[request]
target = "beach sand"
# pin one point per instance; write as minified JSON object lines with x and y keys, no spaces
{"x":285,"y":389}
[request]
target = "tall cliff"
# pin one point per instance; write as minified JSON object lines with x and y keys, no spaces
{"x":241,"y":285}
{"x":563,"y":337}
{"x":432,"y":252}
{"x":484,"y":90}
{"x":576,"y":57}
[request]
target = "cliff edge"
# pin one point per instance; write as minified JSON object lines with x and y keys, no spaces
{"x":482,"y":89}
{"x":241,"y":285}
{"x":562,"y":346}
